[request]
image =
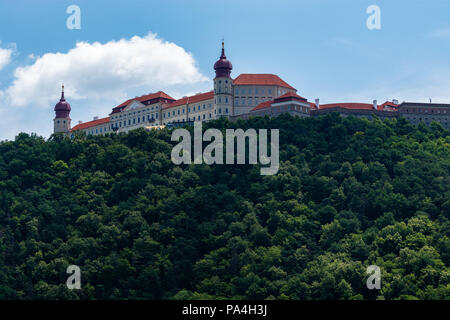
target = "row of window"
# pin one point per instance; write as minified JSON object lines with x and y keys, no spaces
{"x":250,"y":101}
{"x":134,"y":121}
{"x":291,"y":108}
{"x":195,"y":118}
{"x":250,"y":91}
{"x":183,"y":110}
{"x":134,"y":112}
{"x":425,"y":111}
{"x":428,"y":120}
{"x":168,"y":115}
{"x":98,"y":130}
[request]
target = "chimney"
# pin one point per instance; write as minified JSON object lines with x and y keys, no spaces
{"x":375,"y":104}
{"x":95,"y":118}
{"x":395,"y":101}
{"x":317,"y":104}
{"x":80,"y":122}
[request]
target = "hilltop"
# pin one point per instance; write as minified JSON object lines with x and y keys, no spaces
{"x":349,"y":193}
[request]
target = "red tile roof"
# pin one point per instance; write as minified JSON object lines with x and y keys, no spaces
{"x":263,"y":105}
{"x":352,"y":105}
{"x":388,"y":105}
{"x":284,"y":97}
{"x":192,"y":99}
{"x":313,"y":105}
{"x":151,"y":96}
{"x":261,"y":79}
{"x":289,"y":96}
{"x":360,"y":106}
{"x":89,"y":124}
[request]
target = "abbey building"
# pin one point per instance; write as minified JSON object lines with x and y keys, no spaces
{"x":247,"y":95}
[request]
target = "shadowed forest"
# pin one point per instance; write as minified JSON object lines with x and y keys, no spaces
{"x":349,"y":193}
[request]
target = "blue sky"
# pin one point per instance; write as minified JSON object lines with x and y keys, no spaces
{"x":322,"y":47}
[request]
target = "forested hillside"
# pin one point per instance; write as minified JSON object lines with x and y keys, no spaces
{"x":349,"y":193}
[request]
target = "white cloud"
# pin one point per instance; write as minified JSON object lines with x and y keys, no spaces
{"x":5,"y":55}
{"x":104,"y":72}
{"x":97,"y":77}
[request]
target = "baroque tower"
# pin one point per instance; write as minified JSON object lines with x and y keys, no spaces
{"x":223,"y":86}
{"x":62,"y":120}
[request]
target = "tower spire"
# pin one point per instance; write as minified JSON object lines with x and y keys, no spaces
{"x":223,"y":66}
{"x":62,"y":93}
{"x":62,"y":120}
{"x":223,"y":49}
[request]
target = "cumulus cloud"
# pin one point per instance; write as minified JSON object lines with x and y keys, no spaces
{"x":104,"y":71}
{"x":5,"y":55}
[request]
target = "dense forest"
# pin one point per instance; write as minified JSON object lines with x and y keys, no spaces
{"x":350,"y":193}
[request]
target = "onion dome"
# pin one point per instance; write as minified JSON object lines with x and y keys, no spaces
{"x":62,"y":108}
{"x":223,"y":66}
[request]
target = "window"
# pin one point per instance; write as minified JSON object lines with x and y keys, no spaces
{"x":204,"y":117}
{"x":226,"y":99}
{"x":220,"y":110}
{"x":226,"y":110}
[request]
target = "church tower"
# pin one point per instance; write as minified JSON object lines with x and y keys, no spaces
{"x":223,"y":86}
{"x":62,"y":120}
